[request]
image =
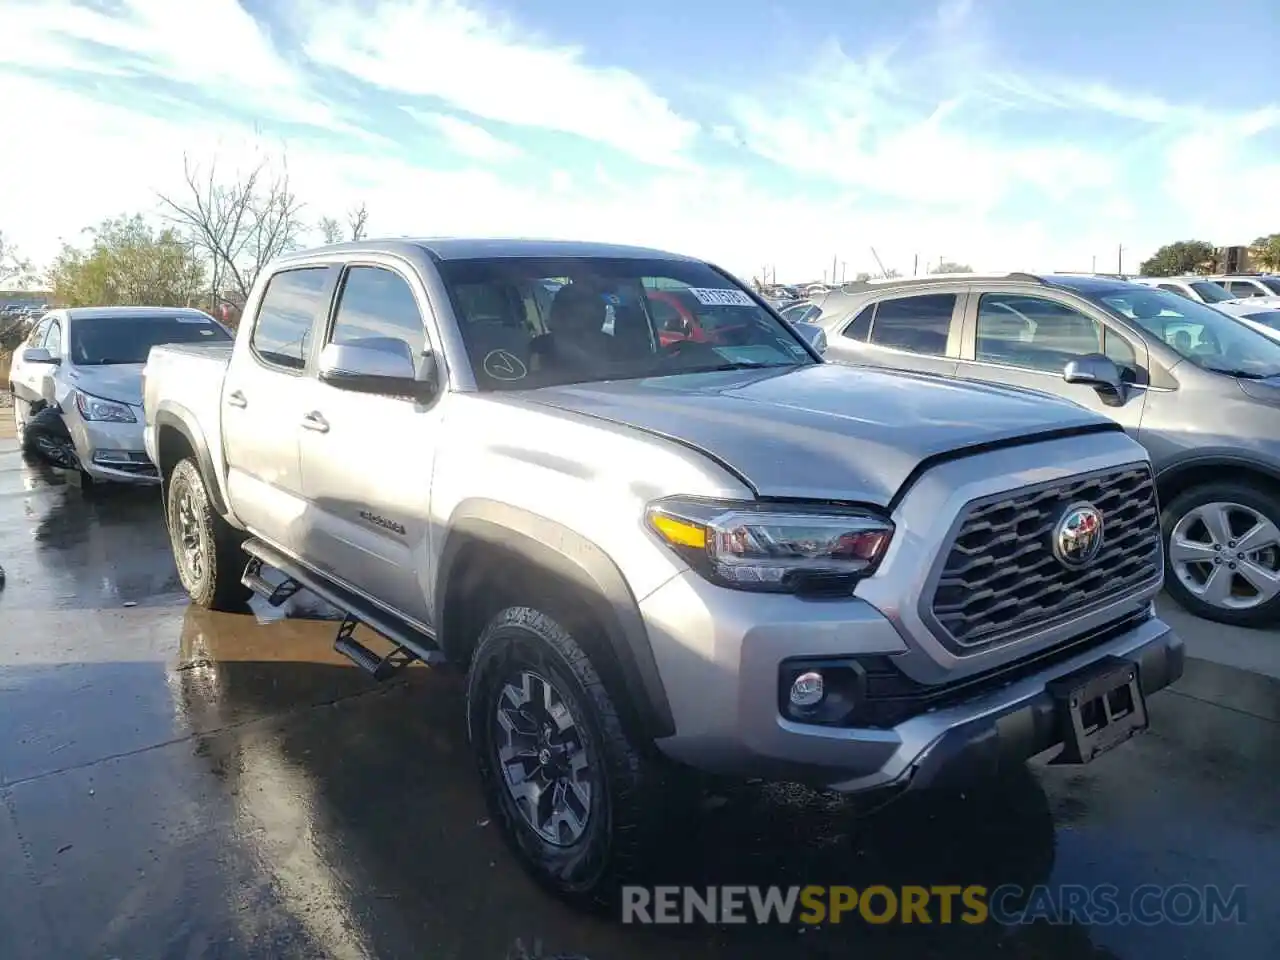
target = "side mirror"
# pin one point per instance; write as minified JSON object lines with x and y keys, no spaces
{"x":813,"y":334}
{"x":378,"y":371}
{"x":39,"y":355}
{"x":1097,"y":371}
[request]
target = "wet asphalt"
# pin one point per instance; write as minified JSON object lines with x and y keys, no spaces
{"x":180,"y":784}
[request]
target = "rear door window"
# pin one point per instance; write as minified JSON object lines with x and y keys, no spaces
{"x":915,"y":324}
{"x":292,"y":302}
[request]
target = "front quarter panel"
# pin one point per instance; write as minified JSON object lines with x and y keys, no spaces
{"x":1208,"y":418}
{"x":592,"y":477}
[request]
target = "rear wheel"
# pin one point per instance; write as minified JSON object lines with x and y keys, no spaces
{"x":206,"y":548}
{"x":1222,"y":553}
{"x":576,"y":800}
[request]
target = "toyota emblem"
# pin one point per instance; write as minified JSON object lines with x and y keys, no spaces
{"x":1078,"y":536}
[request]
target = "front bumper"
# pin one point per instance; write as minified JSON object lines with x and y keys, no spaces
{"x":720,"y":653}
{"x":112,"y":452}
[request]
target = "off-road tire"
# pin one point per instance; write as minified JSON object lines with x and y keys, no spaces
{"x":216,"y":585}
{"x":1246,"y":494}
{"x":629,"y":800}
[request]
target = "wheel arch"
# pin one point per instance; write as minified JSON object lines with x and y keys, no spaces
{"x":495,"y":552}
{"x":178,"y":435}
{"x":1177,"y":478}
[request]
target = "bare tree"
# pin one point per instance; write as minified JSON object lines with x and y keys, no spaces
{"x":239,"y":225}
{"x":330,"y":230}
{"x":358,"y":221}
{"x":13,"y":268}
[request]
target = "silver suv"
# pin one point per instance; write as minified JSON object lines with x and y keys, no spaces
{"x":1198,"y":389}
{"x":652,"y":552}
{"x":1258,"y":286}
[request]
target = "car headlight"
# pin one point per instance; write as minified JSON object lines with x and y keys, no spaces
{"x":95,"y":408}
{"x":778,"y":548}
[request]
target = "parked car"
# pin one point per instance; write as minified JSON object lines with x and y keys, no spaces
{"x":649,"y":559}
{"x":1197,"y":388}
{"x":1206,"y":291}
{"x":802,"y":312}
{"x":1259,"y":286}
{"x":77,"y":385}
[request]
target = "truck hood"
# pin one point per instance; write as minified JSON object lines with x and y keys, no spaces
{"x":827,"y":431}
{"x":121,"y":382}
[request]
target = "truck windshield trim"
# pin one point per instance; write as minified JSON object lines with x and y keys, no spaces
{"x":532,"y":322}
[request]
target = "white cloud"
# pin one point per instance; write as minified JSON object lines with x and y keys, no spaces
{"x":214,"y":45}
{"x":493,"y":69}
{"x":719,"y":215}
{"x":854,"y":123}
{"x":465,"y":138}
{"x":1225,"y":196}
{"x":876,"y":155}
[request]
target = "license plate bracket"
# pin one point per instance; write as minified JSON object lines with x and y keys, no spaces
{"x":1098,"y":708}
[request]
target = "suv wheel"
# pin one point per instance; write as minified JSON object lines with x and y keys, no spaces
{"x":1222,"y":553}
{"x":206,"y":548}
{"x":574,"y":798}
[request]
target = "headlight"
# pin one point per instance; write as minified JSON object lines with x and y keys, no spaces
{"x":773,"y":547}
{"x":95,"y":408}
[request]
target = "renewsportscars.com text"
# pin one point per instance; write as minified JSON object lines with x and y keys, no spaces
{"x":1008,"y":905}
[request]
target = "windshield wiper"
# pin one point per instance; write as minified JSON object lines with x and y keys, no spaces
{"x":735,"y":365}
{"x":1244,"y":374}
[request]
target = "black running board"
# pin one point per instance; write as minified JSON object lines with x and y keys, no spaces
{"x":411,"y":643}
{"x":274,"y":594}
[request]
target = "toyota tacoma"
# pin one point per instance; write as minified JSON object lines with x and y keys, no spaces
{"x":650,"y":559}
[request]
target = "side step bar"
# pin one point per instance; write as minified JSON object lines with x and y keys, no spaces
{"x":410,"y":642}
{"x":274,"y":594}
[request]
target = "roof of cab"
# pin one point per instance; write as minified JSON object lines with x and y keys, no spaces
{"x":107,"y":313}
{"x":472,"y":248}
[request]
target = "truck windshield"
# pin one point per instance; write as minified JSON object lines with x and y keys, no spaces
{"x":1207,"y":337}
{"x":111,"y":340}
{"x":529,"y":322}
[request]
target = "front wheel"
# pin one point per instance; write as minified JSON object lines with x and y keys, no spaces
{"x":206,"y":548}
{"x":576,"y":801}
{"x":1222,"y":553}
{"x":45,"y":435}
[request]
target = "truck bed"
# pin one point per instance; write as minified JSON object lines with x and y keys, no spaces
{"x":186,"y":380}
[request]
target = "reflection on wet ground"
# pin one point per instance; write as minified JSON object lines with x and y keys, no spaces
{"x":177,"y":783}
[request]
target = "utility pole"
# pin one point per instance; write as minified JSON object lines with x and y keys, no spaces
{"x":1120,"y":259}
{"x":1094,"y":268}
{"x":844,"y":270}
{"x":915,"y":265}
{"x":834,"y":257}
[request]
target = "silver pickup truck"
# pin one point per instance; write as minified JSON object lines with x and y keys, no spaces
{"x":654,"y":550}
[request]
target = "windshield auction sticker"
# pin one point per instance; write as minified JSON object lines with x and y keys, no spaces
{"x":717,"y":297}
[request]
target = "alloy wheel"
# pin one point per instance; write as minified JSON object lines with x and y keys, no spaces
{"x":1226,"y":555}
{"x":544,"y":762}
{"x":187,"y":533}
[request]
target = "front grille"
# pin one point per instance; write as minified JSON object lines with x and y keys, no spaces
{"x":1001,"y":576}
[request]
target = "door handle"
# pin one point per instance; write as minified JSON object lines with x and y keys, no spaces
{"x":237,"y":399}
{"x":313,"y":421}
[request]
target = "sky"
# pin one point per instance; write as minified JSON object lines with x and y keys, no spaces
{"x":1003,"y":134}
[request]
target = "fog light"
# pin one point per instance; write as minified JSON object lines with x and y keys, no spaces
{"x":807,"y":689}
